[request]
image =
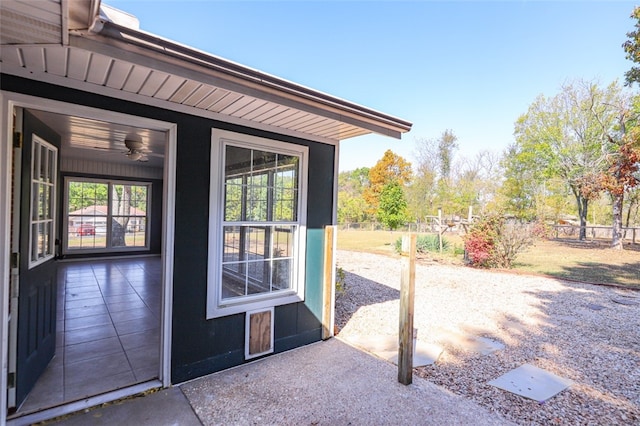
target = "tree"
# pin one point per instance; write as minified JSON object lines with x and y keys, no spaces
{"x":390,"y":168}
{"x":392,"y":208}
{"x":632,"y":49}
{"x":622,"y":145}
{"x":352,"y":207}
{"x":562,"y":136}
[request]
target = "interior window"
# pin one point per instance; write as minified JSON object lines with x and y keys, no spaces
{"x":103,"y":215}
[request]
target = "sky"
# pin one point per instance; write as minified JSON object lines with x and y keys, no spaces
{"x":469,"y":66}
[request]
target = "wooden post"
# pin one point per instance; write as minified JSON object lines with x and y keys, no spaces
{"x":440,"y":228}
{"x":329,"y":279}
{"x":407,"y":293}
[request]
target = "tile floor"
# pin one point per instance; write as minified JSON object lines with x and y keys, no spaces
{"x":108,"y":330}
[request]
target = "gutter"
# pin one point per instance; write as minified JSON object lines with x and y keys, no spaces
{"x":106,"y":27}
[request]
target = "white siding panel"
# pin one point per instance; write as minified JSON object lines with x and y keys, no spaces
{"x":266,"y":107}
{"x":11,"y":55}
{"x":154,"y":82}
{"x":185,"y":91}
{"x":34,"y":58}
{"x":31,"y":22}
{"x":136,"y":79}
{"x":56,"y":60}
{"x":212,"y":98}
{"x":197,"y":96}
{"x":276,"y":111}
{"x":225,"y":102}
{"x":99,"y":67}
{"x":78,"y":64}
{"x":133,"y":169}
{"x":312,"y":121}
{"x":119,"y":73}
{"x":237,"y":105}
{"x":285,"y":117}
{"x":169,"y":87}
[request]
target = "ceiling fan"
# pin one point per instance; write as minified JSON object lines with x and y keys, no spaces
{"x":136,"y":150}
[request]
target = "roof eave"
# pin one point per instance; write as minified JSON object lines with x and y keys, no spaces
{"x":114,"y":39}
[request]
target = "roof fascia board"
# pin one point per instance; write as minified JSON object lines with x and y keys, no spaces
{"x":179,"y":60}
{"x":159,"y":103}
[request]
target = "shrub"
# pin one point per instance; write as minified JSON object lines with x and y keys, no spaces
{"x":425,"y":243}
{"x":492,"y":242}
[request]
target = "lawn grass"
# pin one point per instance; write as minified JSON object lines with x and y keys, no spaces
{"x":590,"y":261}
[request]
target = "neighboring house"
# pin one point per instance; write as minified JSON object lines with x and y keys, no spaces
{"x":241,"y":168}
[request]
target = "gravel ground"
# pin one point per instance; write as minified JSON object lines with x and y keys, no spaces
{"x":574,"y":330}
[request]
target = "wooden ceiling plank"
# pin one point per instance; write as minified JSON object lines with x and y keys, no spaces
{"x":212,"y":98}
{"x":78,"y":64}
{"x":229,"y":99}
{"x":169,"y":87}
{"x":238,"y":105}
{"x":34,"y":58}
{"x":56,"y":60}
{"x":186,"y":90}
{"x":136,"y":79}
{"x":99,"y":68}
{"x":198,"y":95}
{"x":154,"y":82}
{"x":265,"y":107}
{"x":119,"y":74}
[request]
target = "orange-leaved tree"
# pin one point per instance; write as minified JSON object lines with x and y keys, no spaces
{"x":391,"y":168}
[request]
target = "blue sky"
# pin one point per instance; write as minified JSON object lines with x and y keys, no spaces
{"x":469,"y":66}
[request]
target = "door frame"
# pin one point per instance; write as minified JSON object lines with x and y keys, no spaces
{"x":10,"y":100}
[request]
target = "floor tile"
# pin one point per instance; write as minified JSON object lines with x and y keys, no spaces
{"x":89,"y":334}
{"x":86,"y":311}
{"x":94,"y":387}
{"x":137,"y":325}
{"x":125,"y":306}
{"x":130,"y":314}
{"x":92,"y":349}
{"x":140,"y":339}
{"x":95,"y":369}
{"x":88,"y":321}
{"x":93,"y":299}
{"x":144,"y":357}
{"x":84,"y":303}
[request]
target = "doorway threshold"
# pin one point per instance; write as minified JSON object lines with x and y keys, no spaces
{"x":23,"y":419}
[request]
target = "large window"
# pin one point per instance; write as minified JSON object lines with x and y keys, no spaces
{"x":104,"y":215}
{"x":258,"y":219}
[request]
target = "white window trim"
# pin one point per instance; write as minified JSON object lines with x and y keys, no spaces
{"x":219,"y":138}
{"x":52,"y":197}
{"x":107,"y":249}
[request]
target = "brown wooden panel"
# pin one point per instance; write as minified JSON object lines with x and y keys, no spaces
{"x":259,"y":332}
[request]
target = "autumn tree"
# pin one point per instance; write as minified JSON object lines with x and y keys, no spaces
{"x":390,"y":168}
{"x":561,"y":136}
{"x":622,"y":161}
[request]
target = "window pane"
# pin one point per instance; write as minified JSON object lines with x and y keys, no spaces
{"x":234,"y":281}
{"x":283,"y":241}
{"x":233,"y":200}
{"x":281,"y":274}
{"x":258,"y":282}
{"x":232,"y":237}
{"x":97,"y":207}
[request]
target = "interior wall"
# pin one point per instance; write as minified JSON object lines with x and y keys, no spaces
{"x":201,"y":346}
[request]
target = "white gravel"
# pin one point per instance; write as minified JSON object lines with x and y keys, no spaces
{"x":541,"y":321}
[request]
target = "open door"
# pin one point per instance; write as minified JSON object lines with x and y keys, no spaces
{"x":37,"y":279}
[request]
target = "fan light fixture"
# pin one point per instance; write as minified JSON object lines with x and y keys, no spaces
{"x":135,"y":155}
